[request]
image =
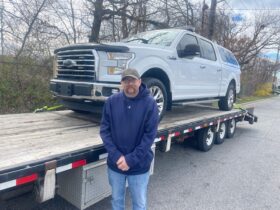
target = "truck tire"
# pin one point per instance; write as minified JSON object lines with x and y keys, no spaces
{"x":158,"y":91}
{"x":226,"y":103}
{"x":221,"y":134}
{"x":231,"y":127}
{"x":206,"y":138}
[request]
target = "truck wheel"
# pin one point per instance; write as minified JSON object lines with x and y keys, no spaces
{"x":205,"y":139}
{"x":226,"y":103}
{"x":231,"y":127}
{"x":221,"y":134}
{"x":158,"y":91}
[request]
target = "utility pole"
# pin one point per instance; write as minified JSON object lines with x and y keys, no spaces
{"x":276,"y":68}
{"x":212,"y":17}
{"x":2,"y":26}
{"x":204,"y":7}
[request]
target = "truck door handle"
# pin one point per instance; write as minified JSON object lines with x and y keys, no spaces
{"x":218,"y":70}
{"x":172,"y":57}
{"x":202,"y":66}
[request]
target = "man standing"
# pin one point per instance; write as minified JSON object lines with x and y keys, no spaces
{"x":128,"y":129}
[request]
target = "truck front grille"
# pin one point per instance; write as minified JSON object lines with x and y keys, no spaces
{"x":77,"y":65}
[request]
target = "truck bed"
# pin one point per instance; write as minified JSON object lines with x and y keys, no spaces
{"x":35,"y":137}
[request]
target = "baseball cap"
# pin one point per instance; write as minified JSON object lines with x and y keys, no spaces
{"x":130,"y":73}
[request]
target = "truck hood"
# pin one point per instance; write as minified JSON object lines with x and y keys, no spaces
{"x":99,"y":47}
{"x":110,"y":47}
{"x":139,"y":45}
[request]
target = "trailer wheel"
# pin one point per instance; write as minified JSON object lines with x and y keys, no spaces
{"x":205,"y":139}
{"x":231,"y":127}
{"x":162,"y":146}
{"x":158,"y":91}
{"x":221,"y":134}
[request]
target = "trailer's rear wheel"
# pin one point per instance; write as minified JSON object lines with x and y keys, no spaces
{"x":221,"y":134}
{"x":205,"y":139}
{"x":231,"y":127}
{"x":162,"y":146}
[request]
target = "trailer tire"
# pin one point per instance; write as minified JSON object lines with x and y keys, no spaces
{"x":206,"y":138}
{"x":221,"y":134}
{"x":162,"y":146}
{"x":231,"y":127}
{"x":159,"y":93}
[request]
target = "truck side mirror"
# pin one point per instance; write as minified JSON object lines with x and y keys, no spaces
{"x":191,"y":50}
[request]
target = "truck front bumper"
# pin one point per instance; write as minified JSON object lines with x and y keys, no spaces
{"x":83,"y":90}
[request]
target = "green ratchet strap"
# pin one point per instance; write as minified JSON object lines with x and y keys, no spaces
{"x":46,"y":108}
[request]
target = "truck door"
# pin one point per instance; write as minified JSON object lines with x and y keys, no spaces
{"x":187,"y":84}
{"x":211,"y":69}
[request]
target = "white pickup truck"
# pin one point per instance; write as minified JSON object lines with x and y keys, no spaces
{"x":177,"y":65}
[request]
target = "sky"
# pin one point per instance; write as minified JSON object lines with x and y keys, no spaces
{"x":248,"y":4}
{"x":246,"y":9}
{"x":254,"y":4}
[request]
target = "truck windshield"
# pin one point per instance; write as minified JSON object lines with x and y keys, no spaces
{"x":163,"y":38}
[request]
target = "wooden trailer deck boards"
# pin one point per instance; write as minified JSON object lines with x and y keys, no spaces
{"x":33,"y":143}
{"x":25,"y":138}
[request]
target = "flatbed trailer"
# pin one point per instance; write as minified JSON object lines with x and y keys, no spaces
{"x":39,"y":149}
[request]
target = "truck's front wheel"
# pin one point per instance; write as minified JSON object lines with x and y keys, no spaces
{"x":158,"y":91}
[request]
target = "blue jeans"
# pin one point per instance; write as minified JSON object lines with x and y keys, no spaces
{"x":137,"y":185}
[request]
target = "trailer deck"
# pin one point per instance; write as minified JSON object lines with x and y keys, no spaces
{"x":29,"y":141}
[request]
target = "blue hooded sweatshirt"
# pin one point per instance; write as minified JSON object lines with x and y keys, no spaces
{"x":128,"y":128}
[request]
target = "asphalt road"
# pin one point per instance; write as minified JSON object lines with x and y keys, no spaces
{"x":242,"y":173}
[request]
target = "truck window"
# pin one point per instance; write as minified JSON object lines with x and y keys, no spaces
{"x":186,"y":40}
{"x":227,"y":56}
{"x":208,"y":51}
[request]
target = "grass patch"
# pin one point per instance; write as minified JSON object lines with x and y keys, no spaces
{"x":251,"y":98}
{"x":245,"y":100}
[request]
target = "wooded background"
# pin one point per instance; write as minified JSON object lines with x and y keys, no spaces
{"x":31,"y":29}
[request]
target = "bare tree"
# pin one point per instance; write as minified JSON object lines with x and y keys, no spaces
{"x":65,"y":13}
{"x":104,"y":12}
{"x":33,"y":17}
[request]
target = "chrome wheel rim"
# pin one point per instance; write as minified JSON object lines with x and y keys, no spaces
{"x":210,"y":137}
{"x":230,"y":98}
{"x":232,"y":126}
{"x":222,"y":131}
{"x":157,"y":94}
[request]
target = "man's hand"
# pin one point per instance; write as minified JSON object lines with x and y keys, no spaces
{"x":122,"y":165}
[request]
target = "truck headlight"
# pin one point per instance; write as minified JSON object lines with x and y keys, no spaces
{"x":55,"y":66}
{"x":121,"y":62}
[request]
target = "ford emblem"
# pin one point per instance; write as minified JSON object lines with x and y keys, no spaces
{"x":69,"y":63}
